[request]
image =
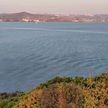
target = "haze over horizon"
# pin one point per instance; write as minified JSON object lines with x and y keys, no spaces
{"x":55,"y":7}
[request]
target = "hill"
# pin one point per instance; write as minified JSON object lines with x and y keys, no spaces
{"x":62,"y":92}
{"x":28,"y":17}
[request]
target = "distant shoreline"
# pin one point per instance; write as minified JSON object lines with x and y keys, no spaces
{"x":28,"y":17}
{"x":48,"y":22}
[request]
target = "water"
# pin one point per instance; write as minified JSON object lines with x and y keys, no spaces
{"x":31,"y":53}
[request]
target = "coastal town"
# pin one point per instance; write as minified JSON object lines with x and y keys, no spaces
{"x":28,"y":17}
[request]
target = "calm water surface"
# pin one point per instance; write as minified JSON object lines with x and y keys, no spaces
{"x":31,"y":53}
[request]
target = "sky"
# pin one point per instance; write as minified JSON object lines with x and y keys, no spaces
{"x":55,"y":6}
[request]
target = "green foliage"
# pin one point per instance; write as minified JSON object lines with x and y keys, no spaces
{"x":8,"y":103}
{"x":63,"y":92}
{"x":56,"y":80}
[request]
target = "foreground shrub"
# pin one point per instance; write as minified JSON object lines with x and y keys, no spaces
{"x":63,"y":92}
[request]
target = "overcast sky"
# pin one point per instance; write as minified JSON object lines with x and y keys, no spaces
{"x":55,"y":6}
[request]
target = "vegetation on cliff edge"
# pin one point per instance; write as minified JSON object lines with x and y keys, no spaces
{"x":63,"y":92}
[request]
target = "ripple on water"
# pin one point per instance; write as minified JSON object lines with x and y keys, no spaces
{"x":29,"y":56}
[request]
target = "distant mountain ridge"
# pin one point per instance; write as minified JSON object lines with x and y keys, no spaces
{"x":28,"y":17}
